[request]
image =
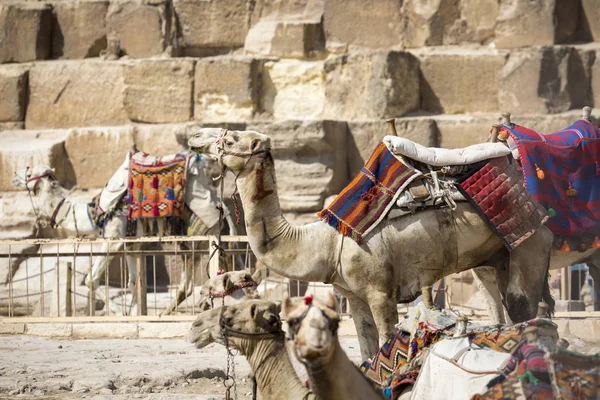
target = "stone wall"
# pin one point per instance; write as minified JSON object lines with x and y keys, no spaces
{"x":319,"y":76}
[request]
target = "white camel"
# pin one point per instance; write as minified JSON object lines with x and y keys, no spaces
{"x":52,"y":208}
{"x":395,"y":260}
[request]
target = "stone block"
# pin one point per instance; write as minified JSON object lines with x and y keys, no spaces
{"x":142,"y":28}
{"x":428,"y":23}
{"x":310,"y":161}
{"x":13,"y":92}
{"x":372,"y":85}
{"x":447,"y":77}
{"x":523,"y":23}
{"x":226,"y":88}
{"x":287,"y":10}
{"x":287,"y":39}
{"x":457,"y":131}
{"x":365,"y":136}
{"x":64,"y":94}
{"x":96,"y":153}
{"x":11,"y":126}
{"x":591,"y":16}
{"x":567,"y":16}
{"x":161,"y":140}
{"x":211,"y":27}
{"x":158,"y":91}
{"x":19,"y":150}
{"x":12,"y":329}
{"x":369,"y":23}
{"x":55,"y":330}
{"x":26,"y":32}
{"x":595,"y":80}
{"x":547,"y":123}
{"x":544,"y":80}
{"x":293,"y":89}
{"x":479,"y":18}
{"x":113,"y":330}
{"x":163,"y":330}
{"x":79,"y":29}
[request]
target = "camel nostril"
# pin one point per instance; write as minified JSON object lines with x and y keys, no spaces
{"x":255,"y":144}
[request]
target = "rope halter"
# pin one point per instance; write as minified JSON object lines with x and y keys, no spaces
{"x":294,"y":324}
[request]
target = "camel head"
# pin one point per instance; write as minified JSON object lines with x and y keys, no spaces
{"x":230,"y":288}
{"x":313,"y":327}
{"x":33,"y":179}
{"x":241,"y":323}
{"x":238,"y":151}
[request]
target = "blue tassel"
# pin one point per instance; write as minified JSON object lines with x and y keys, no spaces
{"x":387,"y":393}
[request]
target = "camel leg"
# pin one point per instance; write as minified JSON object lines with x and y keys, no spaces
{"x":485,"y":277}
{"x":527,"y":279}
{"x":385,"y":314}
{"x":185,"y":286}
{"x":594,"y":266}
{"x":364,"y":322}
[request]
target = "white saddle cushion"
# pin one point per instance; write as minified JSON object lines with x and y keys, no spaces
{"x":438,"y":157}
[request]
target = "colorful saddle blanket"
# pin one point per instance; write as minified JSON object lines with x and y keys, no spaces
{"x":364,"y":203}
{"x":561,"y":172}
{"x":157,"y":189}
{"x":497,"y":193}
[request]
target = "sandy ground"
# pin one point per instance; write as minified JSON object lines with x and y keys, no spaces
{"x":32,"y":367}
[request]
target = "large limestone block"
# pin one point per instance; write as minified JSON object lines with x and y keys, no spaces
{"x":287,"y":10}
{"x":479,"y":17}
{"x":162,"y":140}
{"x":293,"y":89}
{"x":595,"y":81}
{"x":141,"y":27}
{"x":158,"y":91}
{"x":372,"y":85}
{"x":368,"y":23}
{"x":11,"y":126}
{"x":208,"y":27}
{"x":96,"y":153}
{"x":291,"y":39}
{"x":13,"y":92}
{"x":547,"y":123}
{"x":448,"y":75}
{"x":25,"y":32}
{"x":457,"y":131}
{"x":79,"y":30}
{"x":591,"y":16}
{"x":544,"y":80}
{"x":310,"y":161}
{"x":22,"y":149}
{"x":427,"y":23}
{"x":522,"y":23}
{"x":226,"y":88}
{"x":73,"y":93}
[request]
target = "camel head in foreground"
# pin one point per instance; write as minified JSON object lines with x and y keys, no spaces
{"x":230,"y":288}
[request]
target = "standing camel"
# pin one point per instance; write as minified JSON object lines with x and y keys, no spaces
{"x":313,"y":328}
{"x":395,"y":259}
{"x":254,"y":329}
{"x":52,"y":208}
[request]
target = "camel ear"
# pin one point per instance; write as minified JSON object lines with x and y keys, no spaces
{"x":227,"y":283}
{"x":278,"y":307}
{"x":331,"y":301}
{"x":257,"y":276}
{"x":287,"y":305}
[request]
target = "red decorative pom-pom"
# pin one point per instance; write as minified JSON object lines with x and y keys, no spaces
{"x":596,"y":243}
{"x":565,"y":248}
{"x":308,"y":299}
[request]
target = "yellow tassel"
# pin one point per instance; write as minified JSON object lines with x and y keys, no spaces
{"x":540,"y":173}
{"x":571,"y":191}
{"x":565,"y":247}
{"x":596,"y":243}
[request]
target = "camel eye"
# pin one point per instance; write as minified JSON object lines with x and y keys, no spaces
{"x":255,"y":144}
{"x":228,"y":143}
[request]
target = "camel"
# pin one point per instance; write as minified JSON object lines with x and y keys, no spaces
{"x":394,"y":261}
{"x":254,"y":329}
{"x":313,"y":328}
{"x":228,"y":288}
{"x":52,"y":208}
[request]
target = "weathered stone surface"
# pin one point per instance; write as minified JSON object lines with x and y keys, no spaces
{"x":19,"y":150}
{"x":567,"y":19}
{"x":79,"y":29}
{"x":310,"y":161}
{"x":448,"y":75}
{"x":458,"y":131}
{"x":13,"y":92}
{"x":291,"y":39}
{"x":595,"y":80}
{"x":293,"y":89}
{"x":74,"y":93}
{"x":591,"y":16}
{"x":96,"y":153}
{"x":428,"y":23}
{"x":479,"y":17}
{"x":212,"y":26}
{"x":226,"y":88}
{"x":547,"y":123}
{"x":149,"y":330}
{"x":522,"y":23}
{"x":370,"y":23}
{"x":26,"y":32}
{"x":158,"y":91}
{"x":287,"y":10}
{"x":56,"y":330}
{"x":11,"y":126}
{"x":141,"y":27}
{"x":161,"y":140}
{"x":365,"y":136}
{"x":371,"y":85}
{"x":104,"y":330}
{"x":543,"y":81}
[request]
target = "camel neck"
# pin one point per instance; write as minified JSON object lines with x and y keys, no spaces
{"x":326,"y":383}
{"x":288,"y":250}
{"x":275,"y":375}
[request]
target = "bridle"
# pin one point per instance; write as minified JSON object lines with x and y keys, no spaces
{"x":39,"y":220}
{"x":225,"y":293}
{"x":294,"y":327}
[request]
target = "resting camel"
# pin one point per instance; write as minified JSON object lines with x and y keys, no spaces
{"x":254,"y":329}
{"x":395,"y":259}
{"x":313,"y":327}
{"x":52,"y":208}
{"x":229,"y":288}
